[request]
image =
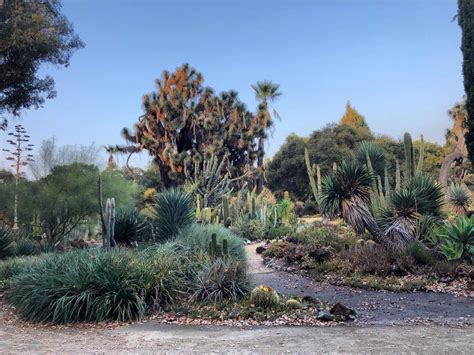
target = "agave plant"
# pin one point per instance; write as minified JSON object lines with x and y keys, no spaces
{"x":130,"y":226}
{"x":6,"y":242}
{"x":459,"y":197}
{"x":400,"y":219}
{"x":375,"y":154}
{"x":458,"y":239}
{"x":347,"y":192}
{"x":173,"y":211}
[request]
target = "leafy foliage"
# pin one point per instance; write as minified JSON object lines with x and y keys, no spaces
{"x":174,"y":211}
{"x":26,"y":46}
{"x":458,"y":239}
{"x":25,"y":247}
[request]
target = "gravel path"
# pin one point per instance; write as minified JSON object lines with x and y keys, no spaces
{"x":372,"y":307}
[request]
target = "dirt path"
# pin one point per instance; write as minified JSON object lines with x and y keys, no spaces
{"x":372,"y":307}
{"x":153,"y":337}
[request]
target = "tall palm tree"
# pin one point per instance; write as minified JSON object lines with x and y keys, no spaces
{"x":265,"y":92}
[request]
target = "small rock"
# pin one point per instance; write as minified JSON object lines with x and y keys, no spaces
{"x":342,"y":313}
{"x":260,"y":249}
{"x":325,"y":316}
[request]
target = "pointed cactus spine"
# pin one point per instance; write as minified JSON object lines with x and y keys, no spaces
{"x":409,"y":156}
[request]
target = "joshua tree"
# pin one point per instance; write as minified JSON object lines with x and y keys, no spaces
{"x":265,"y":92}
{"x":20,"y":157}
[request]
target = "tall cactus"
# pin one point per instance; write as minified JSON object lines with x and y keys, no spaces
{"x":386,"y":182}
{"x":110,"y":223}
{"x":318,"y":176}
{"x":217,"y":250}
{"x":419,"y":167}
{"x":225,"y":211}
{"x":309,"y":170}
{"x":398,"y":177}
{"x":409,"y":157}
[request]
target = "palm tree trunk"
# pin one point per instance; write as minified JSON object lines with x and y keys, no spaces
{"x":261,"y":153}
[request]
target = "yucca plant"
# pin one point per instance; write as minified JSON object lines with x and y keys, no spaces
{"x":458,"y":239}
{"x":459,"y":197}
{"x":220,"y":280}
{"x":25,"y":247}
{"x":6,"y":242}
{"x":173,"y":211}
{"x":400,"y":219}
{"x":375,"y":154}
{"x":130,"y":226}
{"x":347,"y":192}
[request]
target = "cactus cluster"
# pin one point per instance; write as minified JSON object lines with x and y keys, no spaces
{"x":217,"y":250}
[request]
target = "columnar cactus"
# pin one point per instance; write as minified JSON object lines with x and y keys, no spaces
{"x":409,"y":157}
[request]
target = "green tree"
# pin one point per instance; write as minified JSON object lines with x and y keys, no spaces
{"x":354,"y":119}
{"x":32,"y":33}
{"x":286,"y":171}
{"x":466,"y":22}
{"x":333,"y":144}
{"x":65,"y":199}
{"x":265,"y":92}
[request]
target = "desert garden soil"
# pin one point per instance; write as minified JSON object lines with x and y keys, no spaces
{"x":372,"y":307}
{"x":429,"y":323}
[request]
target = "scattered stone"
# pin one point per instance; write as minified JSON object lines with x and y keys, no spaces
{"x":260,"y":249}
{"x":342,"y":313}
{"x":325,"y":316}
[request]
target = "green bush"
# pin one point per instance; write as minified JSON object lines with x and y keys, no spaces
{"x":198,"y":236}
{"x":278,"y":232}
{"x":419,"y":253}
{"x":25,"y":247}
{"x":220,"y":280}
{"x":6,"y":243}
{"x":96,"y":285}
{"x":130,"y":226}
{"x":173,"y":211}
{"x":457,"y":239}
{"x":14,"y":266}
{"x":265,"y":297}
{"x":249,"y":229}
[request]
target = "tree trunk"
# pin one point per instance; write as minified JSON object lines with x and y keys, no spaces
{"x":261,"y":153}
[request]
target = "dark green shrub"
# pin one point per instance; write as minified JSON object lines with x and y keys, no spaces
{"x":220,"y":280}
{"x":420,"y":254}
{"x":173,"y":211}
{"x":130,"y":226}
{"x":95,"y":285}
{"x":278,"y":232}
{"x":25,"y":247}
{"x":198,"y":236}
{"x":14,"y":266}
{"x":249,"y":229}
{"x":6,"y":243}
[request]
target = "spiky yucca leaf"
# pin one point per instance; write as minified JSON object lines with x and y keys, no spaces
{"x":6,"y":242}
{"x":459,"y":197}
{"x":130,"y":226}
{"x":375,"y":154}
{"x":174,"y":211}
{"x":347,"y":192}
{"x":422,"y":196}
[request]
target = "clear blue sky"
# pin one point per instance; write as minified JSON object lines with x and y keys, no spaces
{"x":397,"y":61}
